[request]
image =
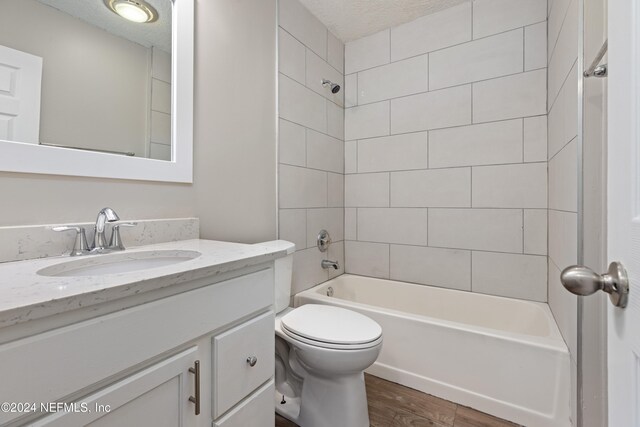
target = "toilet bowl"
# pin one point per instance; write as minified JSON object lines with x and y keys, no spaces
{"x":321,"y":354}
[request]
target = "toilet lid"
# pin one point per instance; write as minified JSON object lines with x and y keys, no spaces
{"x":328,"y":324}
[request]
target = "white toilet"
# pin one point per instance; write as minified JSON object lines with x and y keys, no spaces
{"x":321,"y":354}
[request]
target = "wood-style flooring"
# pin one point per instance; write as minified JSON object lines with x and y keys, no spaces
{"x":392,"y":404}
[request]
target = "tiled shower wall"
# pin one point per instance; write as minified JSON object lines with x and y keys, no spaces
{"x":562,"y":153}
{"x":311,"y":142}
{"x":446,"y":150}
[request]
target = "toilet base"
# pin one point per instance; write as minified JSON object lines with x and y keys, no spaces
{"x":327,"y":402}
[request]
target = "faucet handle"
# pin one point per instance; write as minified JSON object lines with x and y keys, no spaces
{"x":116,"y":241}
{"x":80,"y":246}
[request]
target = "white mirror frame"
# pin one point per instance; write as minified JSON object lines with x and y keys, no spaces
{"x":40,"y":159}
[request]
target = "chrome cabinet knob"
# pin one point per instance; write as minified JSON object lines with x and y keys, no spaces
{"x":252,"y":360}
{"x":583,"y":281}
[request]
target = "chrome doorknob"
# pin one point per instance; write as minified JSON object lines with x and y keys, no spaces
{"x":583,"y":281}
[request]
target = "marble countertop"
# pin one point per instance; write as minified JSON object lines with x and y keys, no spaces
{"x":26,"y":295}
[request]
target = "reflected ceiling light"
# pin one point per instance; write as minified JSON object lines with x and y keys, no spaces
{"x":134,"y":10}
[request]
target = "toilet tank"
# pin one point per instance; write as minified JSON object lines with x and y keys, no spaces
{"x":283,"y":273}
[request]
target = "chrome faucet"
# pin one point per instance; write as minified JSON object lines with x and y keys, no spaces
{"x":330,"y":264}
{"x":99,"y":240}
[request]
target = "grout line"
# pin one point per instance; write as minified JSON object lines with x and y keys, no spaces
{"x":564,"y":81}
{"x":555,"y":44}
{"x":448,"y":248}
{"x":448,"y":87}
{"x":444,"y":48}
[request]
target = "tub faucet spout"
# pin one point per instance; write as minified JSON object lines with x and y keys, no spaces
{"x":330,"y":264}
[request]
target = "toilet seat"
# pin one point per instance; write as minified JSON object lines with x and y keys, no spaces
{"x":331,"y":327}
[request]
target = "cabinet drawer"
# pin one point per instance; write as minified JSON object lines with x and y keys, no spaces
{"x":233,"y":376}
{"x":257,"y":411}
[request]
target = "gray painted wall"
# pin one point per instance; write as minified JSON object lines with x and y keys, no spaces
{"x":234,"y":189}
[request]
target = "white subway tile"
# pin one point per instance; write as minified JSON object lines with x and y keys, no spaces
{"x":324,"y":152}
{"x":350,"y":223}
{"x":366,"y":190}
{"x":393,"y":225}
{"x":336,"y":253}
{"x":431,"y":32}
{"x":160,"y":96}
{"x":335,"y":120}
{"x":331,"y":219}
{"x":563,"y":179}
{"x":160,"y":128}
{"x":482,"y":59}
{"x":367,"y":259}
{"x":432,"y":110}
{"x":563,"y":117}
{"x":447,"y":268}
{"x":292,"y":148}
{"x":160,"y":151}
{"x":535,"y":139}
{"x":291,"y":56}
{"x":335,"y":52}
{"x":535,"y":231}
{"x":565,"y":52}
{"x":563,"y":237}
{"x":161,"y":65}
{"x":510,"y":275}
{"x":307,"y":270}
{"x":564,"y":306}
{"x":367,"y":52}
{"x":509,"y":97}
{"x":393,"y":80}
{"x":302,"y":188}
{"x":317,"y":70}
{"x":392,"y":153}
{"x":535,"y":46}
{"x":482,"y":229}
{"x":301,"y":105}
{"x":483,"y":144}
{"x":432,"y":188}
{"x":496,"y":16}
{"x":297,"y":20}
{"x":293,"y":227}
{"x":350,"y":156}
{"x":510,"y":186}
{"x":336,"y":190}
{"x":555,"y":21}
{"x":351,"y":90}
{"x":367,"y":121}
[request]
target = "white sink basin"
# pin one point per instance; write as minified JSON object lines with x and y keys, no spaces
{"x":99,"y":265}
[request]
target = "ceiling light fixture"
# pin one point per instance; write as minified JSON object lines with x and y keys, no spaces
{"x":134,"y":10}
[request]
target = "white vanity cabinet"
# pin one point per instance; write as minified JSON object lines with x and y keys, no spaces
{"x":140,"y":362}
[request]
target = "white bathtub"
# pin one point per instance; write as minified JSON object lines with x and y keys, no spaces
{"x":499,"y":355}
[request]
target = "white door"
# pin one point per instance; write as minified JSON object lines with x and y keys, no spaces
{"x":624,"y":208}
{"x":20,"y":84}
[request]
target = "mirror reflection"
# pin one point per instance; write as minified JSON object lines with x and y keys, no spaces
{"x":87,"y":74}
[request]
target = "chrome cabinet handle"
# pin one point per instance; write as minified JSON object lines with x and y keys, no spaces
{"x":196,"y":400}
{"x":80,"y":246}
{"x":583,"y":281}
{"x":252,"y":360}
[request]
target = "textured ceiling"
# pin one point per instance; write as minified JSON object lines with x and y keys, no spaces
{"x":351,"y":19}
{"x":95,"y":12}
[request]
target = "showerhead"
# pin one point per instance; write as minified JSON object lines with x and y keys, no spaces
{"x":335,"y":88}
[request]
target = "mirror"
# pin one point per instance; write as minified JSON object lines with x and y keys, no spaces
{"x":97,"y":88}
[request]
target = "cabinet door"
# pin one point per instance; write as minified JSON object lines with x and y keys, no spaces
{"x":155,"y":397}
{"x":256,"y":411}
